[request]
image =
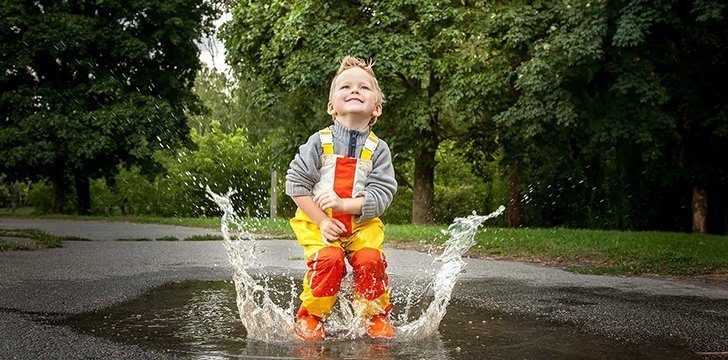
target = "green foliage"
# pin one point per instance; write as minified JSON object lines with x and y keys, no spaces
{"x":611,"y":111}
{"x":88,"y":85}
{"x":458,"y":192}
{"x":400,"y":211}
{"x":41,"y":239}
{"x":6,"y":194}
{"x":136,"y":194}
{"x":40,"y":197}
{"x":220,"y":160}
{"x":103,"y":198}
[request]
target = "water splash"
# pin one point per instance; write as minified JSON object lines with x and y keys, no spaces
{"x":462,"y":237}
{"x":264,"y":320}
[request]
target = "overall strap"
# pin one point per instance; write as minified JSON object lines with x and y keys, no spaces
{"x":369,"y":146}
{"x":327,"y":141}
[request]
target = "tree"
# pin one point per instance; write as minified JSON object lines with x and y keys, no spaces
{"x":599,"y":103}
{"x":89,"y":85}
{"x":292,"y":49}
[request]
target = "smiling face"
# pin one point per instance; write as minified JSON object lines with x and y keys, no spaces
{"x":354,"y":96}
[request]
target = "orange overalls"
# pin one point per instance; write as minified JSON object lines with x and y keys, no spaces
{"x":361,"y":244}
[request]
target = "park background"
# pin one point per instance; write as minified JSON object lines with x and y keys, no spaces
{"x":601,"y":115}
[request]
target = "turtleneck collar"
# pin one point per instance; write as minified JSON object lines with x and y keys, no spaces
{"x":342,"y":132}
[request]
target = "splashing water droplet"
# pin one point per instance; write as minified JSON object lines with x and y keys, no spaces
{"x":266,"y":321}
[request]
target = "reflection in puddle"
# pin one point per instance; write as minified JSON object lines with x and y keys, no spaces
{"x":200,"y":319}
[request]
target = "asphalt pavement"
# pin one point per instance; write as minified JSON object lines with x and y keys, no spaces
{"x":82,"y":276}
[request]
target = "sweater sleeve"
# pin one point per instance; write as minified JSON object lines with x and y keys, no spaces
{"x":380,"y":185}
{"x":304,"y":171}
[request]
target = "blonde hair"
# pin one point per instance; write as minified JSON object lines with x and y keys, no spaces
{"x":349,"y":62}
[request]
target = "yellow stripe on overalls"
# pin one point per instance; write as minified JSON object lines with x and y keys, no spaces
{"x":369,"y":146}
{"x":327,"y":141}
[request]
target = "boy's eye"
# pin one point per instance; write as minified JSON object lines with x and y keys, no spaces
{"x":365,"y":87}
{"x":345,"y":86}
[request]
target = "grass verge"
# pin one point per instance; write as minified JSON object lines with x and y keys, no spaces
{"x":40,"y":239}
{"x":582,"y":251}
{"x":588,"y":251}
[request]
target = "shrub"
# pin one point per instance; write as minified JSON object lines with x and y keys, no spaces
{"x":220,"y":160}
{"x":136,"y":195}
{"x":400,"y":211}
{"x":40,"y":196}
{"x":6,"y":195}
{"x":103,"y":199}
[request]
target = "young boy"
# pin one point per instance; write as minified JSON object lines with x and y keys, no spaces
{"x":342,"y":180}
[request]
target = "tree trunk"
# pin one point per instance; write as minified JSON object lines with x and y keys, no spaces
{"x":83,"y":193}
{"x":58,"y":187}
{"x":424,"y":188}
{"x":700,"y":209}
{"x":515,"y":208}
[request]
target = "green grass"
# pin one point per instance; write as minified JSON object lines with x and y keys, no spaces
{"x":615,"y":252}
{"x":41,"y":239}
{"x":589,"y":251}
{"x":612,"y":252}
{"x":73,"y":238}
{"x":583,"y":251}
{"x":204,"y":237}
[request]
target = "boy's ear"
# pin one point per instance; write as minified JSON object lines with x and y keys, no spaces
{"x":330,"y":109}
{"x":377,"y":111}
{"x":375,"y":115}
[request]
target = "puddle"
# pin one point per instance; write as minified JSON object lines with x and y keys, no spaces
{"x":200,"y":319}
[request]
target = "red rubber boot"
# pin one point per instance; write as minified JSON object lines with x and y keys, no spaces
{"x":379,"y":327}
{"x":308,"y":327}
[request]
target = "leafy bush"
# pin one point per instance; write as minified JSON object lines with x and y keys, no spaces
{"x":40,"y":196}
{"x":456,"y":201}
{"x":400,"y":211}
{"x":6,"y":194}
{"x":103,"y":198}
{"x":285,"y":207}
{"x":136,"y":194}
{"x":220,"y":160}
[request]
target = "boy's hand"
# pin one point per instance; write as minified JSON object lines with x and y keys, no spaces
{"x":331,"y":228}
{"x":329,"y":199}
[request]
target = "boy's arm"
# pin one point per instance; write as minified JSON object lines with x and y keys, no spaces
{"x":380,"y":186}
{"x":302,"y":175}
{"x":329,"y":199}
{"x":330,"y":228}
{"x":303,"y":172}
{"x":309,"y":207}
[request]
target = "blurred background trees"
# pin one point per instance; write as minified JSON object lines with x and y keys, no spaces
{"x":87,"y":86}
{"x":589,"y":114}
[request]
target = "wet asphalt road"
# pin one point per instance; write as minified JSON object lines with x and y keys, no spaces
{"x":48,"y":284}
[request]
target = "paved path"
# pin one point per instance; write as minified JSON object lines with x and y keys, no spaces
{"x":84,"y":276}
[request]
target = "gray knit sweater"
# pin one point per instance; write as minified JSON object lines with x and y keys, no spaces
{"x":380,"y":186}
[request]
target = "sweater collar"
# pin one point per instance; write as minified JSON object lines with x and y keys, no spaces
{"x":342,"y":132}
